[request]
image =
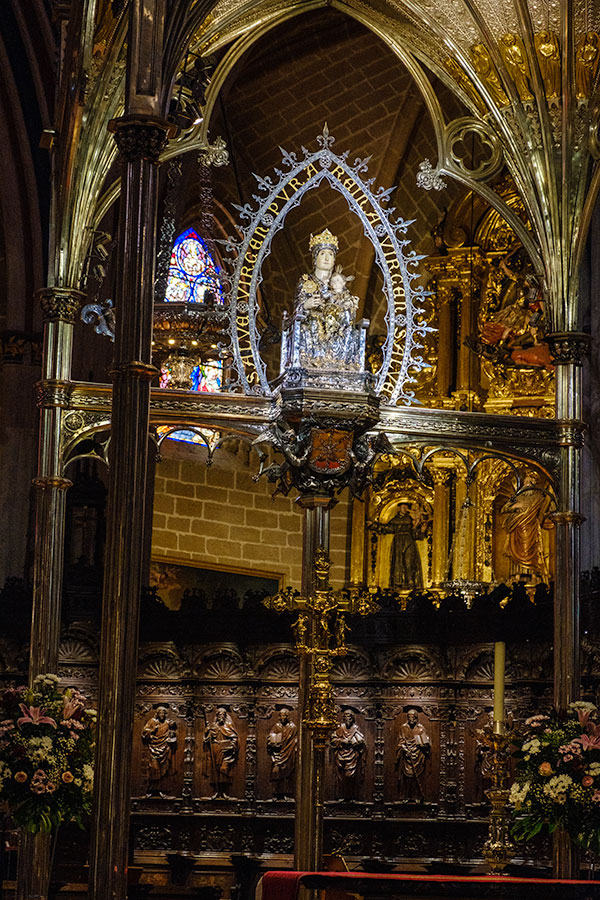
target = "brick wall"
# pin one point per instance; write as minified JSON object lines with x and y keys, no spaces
{"x":218,"y":516}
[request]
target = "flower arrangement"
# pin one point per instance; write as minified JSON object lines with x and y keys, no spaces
{"x":558,"y":776}
{"x":46,"y":754}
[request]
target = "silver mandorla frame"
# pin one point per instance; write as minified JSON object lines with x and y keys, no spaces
{"x":405,"y":322}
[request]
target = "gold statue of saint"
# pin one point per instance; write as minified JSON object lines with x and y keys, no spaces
{"x":586,"y":64}
{"x":526,"y":515}
{"x":512,"y":51}
{"x":548,"y":52}
{"x":483,"y":65}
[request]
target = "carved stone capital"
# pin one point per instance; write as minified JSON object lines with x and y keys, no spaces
{"x":140,"y":137}
{"x":52,"y":482}
{"x":54,"y":393}
{"x":60,"y":304}
{"x":439,"y":476}
{"x":568,"y":347}
{"x":134,"y":369}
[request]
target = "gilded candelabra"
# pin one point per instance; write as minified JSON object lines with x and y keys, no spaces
{"x":498,"y":850}
{"x":320,"y":635}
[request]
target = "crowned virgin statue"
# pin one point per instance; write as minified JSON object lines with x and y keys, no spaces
{"x":323,"y":333}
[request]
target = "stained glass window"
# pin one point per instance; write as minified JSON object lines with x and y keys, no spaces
{"x":188,"y":435}
{"x":206,"y":376}
{"x":192,"y":271}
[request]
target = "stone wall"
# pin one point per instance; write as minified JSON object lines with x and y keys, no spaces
{"x":218,"y":516}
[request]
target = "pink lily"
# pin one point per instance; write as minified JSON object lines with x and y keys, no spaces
{"x":583,"y":715}
{"x":591,"y":739}
{"x":73,"y":707}
{"x":34,"y":715}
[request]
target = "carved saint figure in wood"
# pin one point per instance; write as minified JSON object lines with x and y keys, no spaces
{"x":222,"y":747}
{"x":412,"y":753}
{"x":282,"y":742}
{"x":348,"y":749}
{"x":406,"y":572}
{"x":159,"y":734}
{"x":526,"y":514}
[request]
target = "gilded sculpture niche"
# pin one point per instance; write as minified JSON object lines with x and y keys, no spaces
{"x":400,"y":517}
{"x":522,"y":520}
{"x":489,"y":351}
{"x":441,"y":520}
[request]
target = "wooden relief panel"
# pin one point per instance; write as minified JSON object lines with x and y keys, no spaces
{"x":220,"y":757}
{"x":476,"y":759}
{"x":159,"y":742}
{"x":276,"y":751}
{"x":412,"y":755}
{"x":350,"y":758}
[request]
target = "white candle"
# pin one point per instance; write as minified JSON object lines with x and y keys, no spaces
{"x":499,"y":661}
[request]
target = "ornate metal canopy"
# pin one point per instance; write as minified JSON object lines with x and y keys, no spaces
{"x":406,"y":325}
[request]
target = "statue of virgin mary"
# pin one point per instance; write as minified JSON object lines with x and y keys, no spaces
{"x":327,"y":310}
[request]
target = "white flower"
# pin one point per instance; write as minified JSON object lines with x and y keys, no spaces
{"x":532,"y":746}
{"x":557,"y":787}
{"x":583,"y":705}
{"x":594,"y":768}
{"x":50,"y":681}
{"x":518,"y":792}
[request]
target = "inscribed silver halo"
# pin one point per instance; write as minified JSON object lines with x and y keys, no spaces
{"x":404,"y":318}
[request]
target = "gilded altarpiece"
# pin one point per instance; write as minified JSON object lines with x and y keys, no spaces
{"x":439,"y":516}
{"x":489,"y":352}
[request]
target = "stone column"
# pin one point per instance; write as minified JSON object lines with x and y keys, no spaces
{"x":59,"y":307}
{"x":568,"y":350}
{"x":140,"y":139}
{"x":308,"y":841}
{"x":441,"y":525}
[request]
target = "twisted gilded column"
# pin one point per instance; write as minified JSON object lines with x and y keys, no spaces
{"x":59,"y":308}
{"x":308,"y":841}
{"x":568,"y":351}
{"x":140,"y":139}
{"x":441,"y":525}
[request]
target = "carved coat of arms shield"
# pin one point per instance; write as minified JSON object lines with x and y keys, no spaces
{"x":330,"y":451}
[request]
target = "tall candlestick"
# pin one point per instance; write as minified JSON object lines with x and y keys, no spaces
{"x":499,"y":661}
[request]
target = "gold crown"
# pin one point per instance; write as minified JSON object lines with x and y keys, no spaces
{"x":325,"y":239}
